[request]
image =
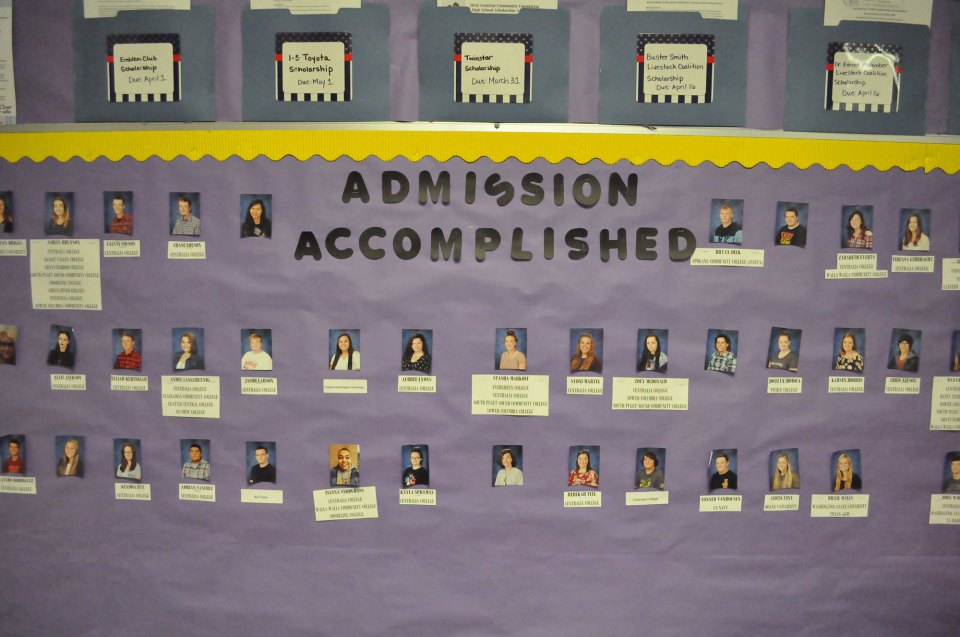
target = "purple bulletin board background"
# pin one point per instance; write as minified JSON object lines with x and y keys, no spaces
{"x":43,"y":52}
{"x":484,"y":560}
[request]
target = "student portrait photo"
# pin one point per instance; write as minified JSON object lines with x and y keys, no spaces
{"x":63,"y":346}
{"x":126,"y":349}
{"x":722,"y":351}
{"x":256,"y":346}
{"x":257,"y":212}
{"x":915,"y":230}
{"x":722,"y":469}
{"x":417,"y":348}
{"x":583,"y":463}
{"x":126,"y":458}
{"x":59,"y":214}
{"x":586,"y":344}
{"x":13,"y":454}
{"x":954,"y":351}
{"x":726,"y":221}
{"x":261,"y":458}
{"x":904,"y":350}
{"x":8,"y":344}
{"x":784,"y":469}
{"x":652,"y":350}
{"x":345,"y":465}
{"x":857,"y":222}
{"x":69,"y":450}
{"x":416,"y":466}
{"x":507,"y":465}
{"x":650,"y":467}
{"x":118,"y":212}
{"x":187,"y":348}
{"x":510,"y":348}
{"x":845,"y":472}
{"x":6,"y":211}
{"x":344,"y":349}
{"x":791,"y":224}
{"x":951,"y":472}
{"x":850,"y":344}
{"x":185,"y":213}
{"x":784,"y":349}
{"x":195,"y":459}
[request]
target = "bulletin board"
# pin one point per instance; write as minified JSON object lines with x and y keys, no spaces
{"x":463,"y":231}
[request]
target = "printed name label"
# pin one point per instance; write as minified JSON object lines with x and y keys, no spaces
{"x":258,"y":496}
{"x":127,"y":491}
{"x":68,"y":382}
{"x":650,"y":393}
{"x":951,"y":275}
{"x":119,"y":382}
{"x":186,"y":250}
{"x":423,"y":497}
{"x":198,"y":492}
{"x":732,"y":257}
{"x":584,"y":385}
{"x":18,"y":486}
{"x":644,"y":498}
{"x":413,"y":384}
{"x":344,"y":386}
{"x":901,"y":385}
{"x":510,"y":395}
{"x":121,"y":248}
{"x":191,"y":396}
{"x":945,"y":403}
{"x":258,"y":386}
{"x":910,"y":264}
{"x":721,"y":503}
{"x":581,"y":499}
{"x":839,"y":506}
{"x":13,"y":247}
{"x":781,"y":502}
{"x":345,"y":504}
{"x":944,"y":508}
{"x":846,"y":385}
{"x":776,"y":385}
{"x":65,"y":274}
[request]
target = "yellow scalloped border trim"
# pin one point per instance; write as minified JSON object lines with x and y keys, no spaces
{"x":721,"y":150}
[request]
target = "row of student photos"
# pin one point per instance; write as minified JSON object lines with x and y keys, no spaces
{"x":506,"y":469}
{"x":256,"y":219}
{"x":510,"y":351}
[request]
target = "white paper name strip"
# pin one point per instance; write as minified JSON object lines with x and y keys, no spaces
{"x":65,"y":274}
{"x":675,"y":68}
{"x":650,"y":393}
{"x":509,"y":395}
{"x":944,"y":508}
{"x":198,"y":492}
{"x":779,"y":385}
{"x":781,"y":502}
{"x":345,"y":504}
{"x":257,"y":386}
{"x":731,"y":257}
{"x":912,"y":264}
{"x":131,"y":491}
{"x":945,"y":403}
{"x":493,"y":68}
{"x":18,"y":486}
{"x":417,"y":384}
{"x":839,"y":506}
{"x":644,"y":498}
{"x":261,"y":496}
{"x":721,"y":503}
{"x":68,"y":382}
{"x":845,"y":385}
{"x":951,"y":275}
{"x":344,"y":386}
{"x":581,"y":499}
{"x":314,"y":67}
{"x":863,"y":77}
{"x":191,"y":396}
{"x":901,"y":385}
{"x":585,"y":385}
{"x":13,"y":247}
{"x":121,"y":248}
{"x":186,"y":250}
{"x":128,"y":383}
{"x":422,"y":497}
{"x":143,"y":67}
